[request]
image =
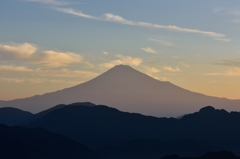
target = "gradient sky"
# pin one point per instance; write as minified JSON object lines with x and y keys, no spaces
{"x":47,"y":45}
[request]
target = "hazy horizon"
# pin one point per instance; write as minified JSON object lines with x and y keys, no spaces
{"x":49,"y":45}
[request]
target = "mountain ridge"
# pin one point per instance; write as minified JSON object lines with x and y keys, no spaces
{"x":100,"y":125}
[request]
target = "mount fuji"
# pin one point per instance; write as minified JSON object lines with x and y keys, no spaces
{"x":129,"y":90}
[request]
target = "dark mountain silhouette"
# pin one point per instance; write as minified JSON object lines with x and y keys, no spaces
{"x":209,"y":155}
{"x":41,"y":114}
{"x":18,"y":142}
{"x":13,"y":116}
{"x":25,"y":143}
{"x":100,"y":125}
{"x":154,"y":149}
{"x":127,"y":89}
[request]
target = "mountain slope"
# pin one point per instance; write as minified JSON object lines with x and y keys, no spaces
{"x":12,"y":116}
{"x":129,"y":90}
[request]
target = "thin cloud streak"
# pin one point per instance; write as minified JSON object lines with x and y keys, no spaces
{"x":163,"y":42}
{"x":170,"y":69}
{"x":76,"y":13}
{"x":149,"y":50}
{"x":118,"y":19}
{"x":50,"y":2}
{"x":232,"y":72}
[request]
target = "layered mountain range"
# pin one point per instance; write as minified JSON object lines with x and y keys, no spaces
{"x":129,"y":90}
{"x":116,"y":134}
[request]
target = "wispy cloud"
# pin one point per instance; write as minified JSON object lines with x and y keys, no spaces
{"x":149,"y":50}
{"x":127,"y":60}
{"x":153,"y":70}
{"x":171,"y":69}
{"x":12,"y":68}
{"x":13,"y":80}
{"x":47,"y":72}
{"x":163,"y":42}
{"x":118,"y":19}
{"x":76,"y":13}
{"x":65,"y":73}
{"x":235,"y":13}
{"x":232,"y":72}
{"x":37,"y":80}
{"x":223,"y":39}
{"x":104,"y":53}
{"x":184,"y":64}
{"x":234,"y":62}
{"x":50,"y":2}
{"x":28,"y":53}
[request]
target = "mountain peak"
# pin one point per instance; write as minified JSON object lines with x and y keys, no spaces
{"x":122,"y":66}
{"x":122,"y":69}
{"x":207,"y":109}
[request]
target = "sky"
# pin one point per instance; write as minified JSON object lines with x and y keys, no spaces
{"x":49,"y":45}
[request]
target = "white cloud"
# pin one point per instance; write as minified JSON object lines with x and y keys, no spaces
{"x":28,"y":53}
{"x":118,"y":19}
{"x":153,"y":70}
{"x":163,"y":42}
{"x":12,"y":68}
{"x":17,"y":51}
{"x":76,"y":13}
{"x":56,"y":59}
{"x":170,"y":69}
{"x":149,"y":50}
{"x":125,"y":60}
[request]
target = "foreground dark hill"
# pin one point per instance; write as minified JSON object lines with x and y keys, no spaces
{"x":127,"y":89}
{"x":209,"y":155}
{"x":23,"y":143}
{"x":154,"y":149}
{"x":100,"y":125}
{"x":13,"y":116}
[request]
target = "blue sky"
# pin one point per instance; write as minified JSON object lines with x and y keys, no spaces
{"x":46,"y":45}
